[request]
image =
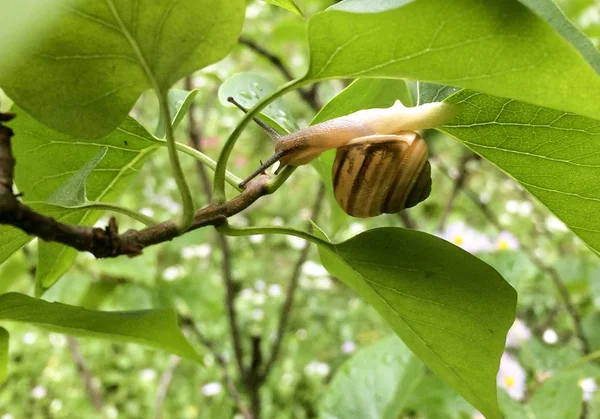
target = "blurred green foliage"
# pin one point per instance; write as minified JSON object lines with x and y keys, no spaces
{"x":328,"y":321}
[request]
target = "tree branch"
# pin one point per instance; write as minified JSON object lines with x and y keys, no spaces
{"x":163,"y":385}
{"x":104,"y":243}
{"x":86,"y":374}
{"x":286,"y":308}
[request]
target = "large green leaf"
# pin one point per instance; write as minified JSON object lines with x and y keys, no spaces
{"x":553,"y":154}
{"x":501,"y":48}
{"x":450,"y":308}
{"x":47,"y":159}
{"x":552,"y":14}
{"x":361,"y":94}
{"x":103,"y":54}
{"x":155,"y":328}
{"x":375,"y":383}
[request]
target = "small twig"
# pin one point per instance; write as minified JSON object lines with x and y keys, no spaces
{"x":194,"y":132}
{"x":407,"y":220}
{"x":222,"y":362}
{"x":459,"y":182}
{"x":309,"y":96}
{"x":86,"y":374}
{"x":163,"y":385}
{"x":286,"y":308}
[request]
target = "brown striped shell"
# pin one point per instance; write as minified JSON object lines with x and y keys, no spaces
{"x":372,"y":178}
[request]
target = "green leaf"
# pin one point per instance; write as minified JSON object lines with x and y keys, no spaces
{"x":361,"y":94}
{"x":374,"y":383}
{"x":501,"y":48}
{"x":38,"y":148}
{"x":179,"y":102}
{"x":450,"y":308}
{"x":552,"y":14}
{"x":558,"y":397}
{"x":4,"y":338}
{"x":430,"y":92}
{"x":155,"y":328}
{"x":247,"y":89}
{"x":553,"y":154}
{"x":102,"y":55}
{"x":287,"y":5}
{"x":72,"y":192}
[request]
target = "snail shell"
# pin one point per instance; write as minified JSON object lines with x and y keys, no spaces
{"x":381,"y":174}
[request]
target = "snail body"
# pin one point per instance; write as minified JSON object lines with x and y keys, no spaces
{"x":381,"y":162}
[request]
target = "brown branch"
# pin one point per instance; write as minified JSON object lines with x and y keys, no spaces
{"x":308,"y":95}
{"x":235,"y":395}
{"x":195,"y":135}
{"x":86,"y":374}
{"x":104,"y":243}
{"x":459,"y":182}
{"x":286,"y":308}
{"x":163,"y":385}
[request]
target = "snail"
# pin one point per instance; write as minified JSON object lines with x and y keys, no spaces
{"x":381,"y":162}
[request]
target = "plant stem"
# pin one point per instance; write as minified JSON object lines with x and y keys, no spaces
{"x":229,"y":230}
{"x":219,"y":181}
{"x":106,"y":206}
{"x":187,"y":218}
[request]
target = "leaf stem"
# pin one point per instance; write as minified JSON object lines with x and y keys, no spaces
{"x":230,"y":230}
{"x":219,"y":181}
{"x":187,"y":218}
{"x":106,"y":206}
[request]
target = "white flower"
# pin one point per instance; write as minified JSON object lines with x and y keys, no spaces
{"x":554,"y":224}
{"x":466,"y":237}
{"x":39,"y":392}
{"x":29,"y":338}
{"x":301,"y":334}
{"x":57,"y":340}
{"x":172,"y":273}
{"x":56,"y":405}
{"x":212,"y":389}
{"x":478,"y":415}
{"x":148,"y":212}
{"x":257,"y":314}
{"x":147,"y":374}
{"x":511,"y":377}
{"x":274,"y":290}
{"x":506,"y":241}
{"x":512,"y":206}
{"x":295,"y":242}
{"x":323,"y":283}
{"x":7,"y":416}
{"x":588,"y":385}
{"x":316,"y":368}
{"x":259,"y":299}
{"x":199,"y":251}
{"x":313,"y":269}
{"x":525,"y":208}
{"x":260,"y":285}
{"x":277,"y":222}
{"x":550,"y":337}
{"x":517,"y":334}
{"x":348,"y":347}
{"x":355,"y":228}
{"x":111,"y":412}
{"x":257,"y":239}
